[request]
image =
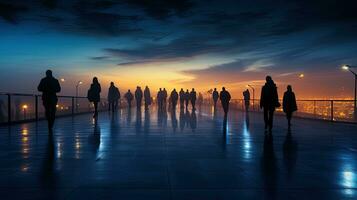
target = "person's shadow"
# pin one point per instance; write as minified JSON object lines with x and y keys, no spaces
{"x":290,"y":149}
{"x":94,"y":140}
{"x":147,"y":121}
{"x":269,"y":167}
{"x":193,"y":121}
{"x":138,"y":121}
{"x":182,"y":119}
{"x":174,"y":120}
{"x":128,"y":117}
{"x":48,"y":175}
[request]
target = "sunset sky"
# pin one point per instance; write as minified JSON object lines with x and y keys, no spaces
{"x":180,"y":43}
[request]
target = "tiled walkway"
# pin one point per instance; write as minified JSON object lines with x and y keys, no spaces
{"x":151,"y":155}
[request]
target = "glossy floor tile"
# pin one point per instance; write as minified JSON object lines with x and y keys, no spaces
{"x":178,"y":155}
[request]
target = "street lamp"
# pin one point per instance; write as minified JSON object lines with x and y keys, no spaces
{"x":301,"y":75}
{"x":348,"y":68}
{"x":77,"y":86}
{"x":63,"y":80}
{"x":24,"y":108}
{"x":253,"y":93}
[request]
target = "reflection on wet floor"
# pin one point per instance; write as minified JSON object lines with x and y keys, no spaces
{"x":178,"y":154}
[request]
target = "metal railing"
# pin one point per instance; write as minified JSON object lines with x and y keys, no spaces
{"x":16,"y":107}
{"x":331,"y":110}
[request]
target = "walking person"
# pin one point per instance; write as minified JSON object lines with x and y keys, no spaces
{"x":113,"y":97}
{"x":147,"y":97}
{"x":49,"y":86}
{"x":182,"y":98}
{"x":193,"y":98}
{"x":173,"y":99}
{"x":138,"y":97}
{"x":215,"y":97}
{"x":225,"y":97}
{"x":93,"y":95}
{"x":159,"y":99}
{"x":289,"y":104}
{"x":187,"y":98}
{"x":246,"y":95}
{"x":269,"y":101}
{"x":129,"y":98}
{"x":164,"y":98}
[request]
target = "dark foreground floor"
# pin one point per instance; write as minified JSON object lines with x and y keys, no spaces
{"x":150,"y":155}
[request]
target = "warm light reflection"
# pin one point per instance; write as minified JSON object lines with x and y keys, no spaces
{"x":246,"y":142}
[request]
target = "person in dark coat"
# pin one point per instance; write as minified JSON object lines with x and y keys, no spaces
{"x":94,"y":95}
{"x":159,"y":99}
{"x":289,"y":104}
{"x":225,"y":97}
{"x":113,"y":97}
{"x":147,"y":97}
{"x":193,"y":98}
{"x":215,"y":97}
{"x":174,"y":98}
{"x":164,"y":98}
{"x":246,"y":95}
{"x":49,"y":86}
{"x":182,"y":98}
{"x":138,"y":97}
{"x":269,"y":101}
{"x":187,"y":98}
{"x":129,"y":98}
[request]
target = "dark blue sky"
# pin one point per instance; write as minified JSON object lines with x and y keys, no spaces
{"x":179,"y":43}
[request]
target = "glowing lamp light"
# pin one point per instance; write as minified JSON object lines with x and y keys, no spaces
{"x":63,"y":80}
{"x":345,"y":67}
{"x":25,"y":107}
{"x":80,"y":83}
{"x":301,"y":75}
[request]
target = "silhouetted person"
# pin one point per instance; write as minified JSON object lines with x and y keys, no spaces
{"x":159,"y":99}
{"x":147,"y":97}
{"x":129,"y":98}
{"x":289,"y":104}
{"x":269,"y":101}
{"x":174,"y":98}
{"x":225,"y":97}
{"x":182,"y":98}
{"x":187,"y":98}
{"x":200,"y":100}
{"x":138,"y":97}
{"x":113,"y":97}
{"x":193,"y":98}
{"x":164,"y":97}
{"x":246,"y":95}
{"x":94,"y":95}
{"x":49,"y":86}
{"x":215,"y":97}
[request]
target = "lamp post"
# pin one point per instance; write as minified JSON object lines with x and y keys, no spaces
{"x":348,"y":67}
{"x":24,"y":108}
{"x":253,"y":94}
{"x":77,"y":86}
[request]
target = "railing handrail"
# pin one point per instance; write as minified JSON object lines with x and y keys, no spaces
{"x":343,"y":100}
{"x":82,"y":97}
{"x":39,"y":95}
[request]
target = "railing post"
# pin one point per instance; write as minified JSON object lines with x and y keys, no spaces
{"x":72,"y":105}
{"x":36,"y":107}
{"x":9,"y":109}
{"x":331,"y":110}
